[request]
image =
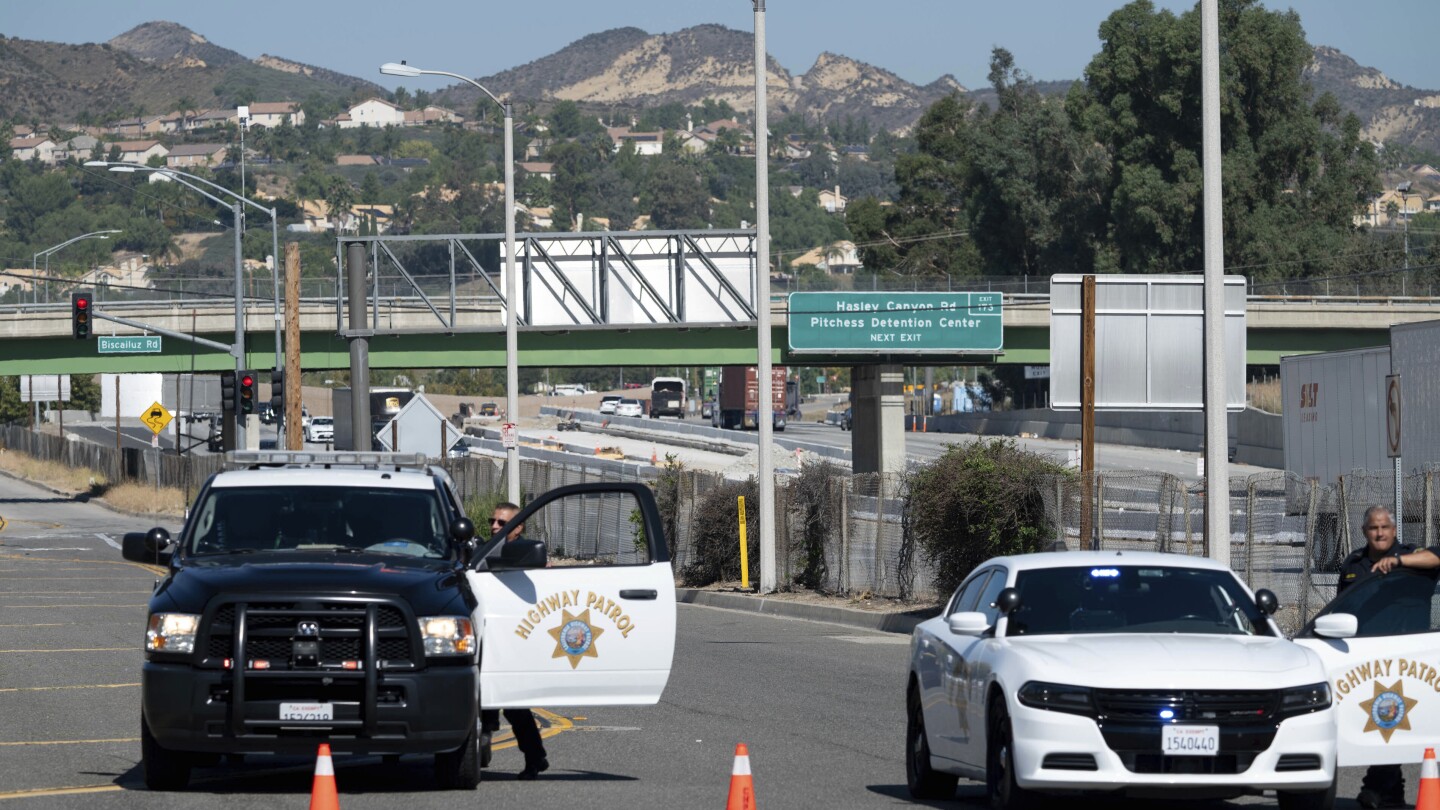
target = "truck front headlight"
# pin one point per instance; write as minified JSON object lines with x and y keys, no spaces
{"x":172,"y":632}
{"x":447,"y":635}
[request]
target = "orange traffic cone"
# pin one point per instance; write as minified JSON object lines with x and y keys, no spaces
{"x":654,"y":459}
{"x":322,"y":793}
{"x":1429,"y":798}
{"x":742,"y":788}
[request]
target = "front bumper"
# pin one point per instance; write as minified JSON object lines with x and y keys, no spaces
{"x":423,"y":711}
{"x":1051,"y":750}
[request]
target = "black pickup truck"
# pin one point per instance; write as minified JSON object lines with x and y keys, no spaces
{"x":306,"y":603}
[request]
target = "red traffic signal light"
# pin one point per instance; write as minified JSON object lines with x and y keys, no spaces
{"x":247,"y":392}
{"x":80,"y":315}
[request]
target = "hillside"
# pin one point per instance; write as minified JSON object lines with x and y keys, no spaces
{"x":148,"y":69}
{"x":1391,"y":112}
{"x":629,"y":67}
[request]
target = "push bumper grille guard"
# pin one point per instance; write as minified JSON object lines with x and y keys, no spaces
{"x":262,"y":622}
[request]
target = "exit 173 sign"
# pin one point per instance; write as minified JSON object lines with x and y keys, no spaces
{"x":895,"y":322}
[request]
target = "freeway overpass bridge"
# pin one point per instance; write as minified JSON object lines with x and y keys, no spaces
{"x":590,"y":299}
{"x":35,"y":338}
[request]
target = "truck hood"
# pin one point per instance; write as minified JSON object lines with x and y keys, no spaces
{"x":430,"y":589}
{"x":1180,"y":660}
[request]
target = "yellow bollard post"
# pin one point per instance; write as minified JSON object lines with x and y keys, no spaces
{"x":744,"y":553}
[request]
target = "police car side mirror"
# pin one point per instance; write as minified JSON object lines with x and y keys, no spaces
{"x":1266,"y":600}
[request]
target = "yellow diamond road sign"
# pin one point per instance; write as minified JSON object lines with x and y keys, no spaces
{"x":156,"y":417}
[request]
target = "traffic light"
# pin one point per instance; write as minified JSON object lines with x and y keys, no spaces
{"x":246,"y":390}
{"x":277,"y":393}
{"x":227,"y":390}
{"x":80,"y":314}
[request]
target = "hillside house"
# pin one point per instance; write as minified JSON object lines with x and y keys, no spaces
{"x":36,"y":148}
{"x":833,"y":201}
{"x":270,"y":114}
{"x":540,"y":216}
{"x":78,"y":148}
{"x":138,"y":151}
{"x":839,"y":257}
{"x":357,"y":160}
{"x":543,"y":170}
{"x":196,"y":154}
{"x":431,"y":114}
{"x":696,"y":143}
{"x":137,"y":127}
{"x":646,"y":143}
{"x":316,"y":216}
{"x":212,"y":118}
{"x":19,"y":279}
{"x":372,"y":112}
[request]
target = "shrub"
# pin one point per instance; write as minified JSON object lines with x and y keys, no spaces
{"x":717,"y":534}
{"x":815,"y":508}
{"x":977,"y":501}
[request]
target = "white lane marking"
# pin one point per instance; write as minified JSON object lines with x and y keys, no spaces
{"x":25,"y":548}
{"x":109,"y":541}
{"x":897,"y":639}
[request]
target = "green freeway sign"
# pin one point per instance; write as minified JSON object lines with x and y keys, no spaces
{"x":139,"y":344}
{"x":895,"y":322}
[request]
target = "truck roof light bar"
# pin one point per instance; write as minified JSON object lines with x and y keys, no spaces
{"x":241,"y":459}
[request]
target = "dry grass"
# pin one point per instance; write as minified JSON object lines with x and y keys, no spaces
{"x":50,"y":473}
{"x":128,"y":497}
{"x":146,"y":500}
{"x":1264,"y":395}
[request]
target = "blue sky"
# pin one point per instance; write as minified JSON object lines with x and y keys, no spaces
{"x":920,"y":40}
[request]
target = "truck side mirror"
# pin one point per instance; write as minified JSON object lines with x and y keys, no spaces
{"x":1266,"y":600}
{"x":147,"y":547}
{"x":462,"y":529}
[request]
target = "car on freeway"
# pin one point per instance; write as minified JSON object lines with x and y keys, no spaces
{"x":629,"y":407}
{"x":609,"y":402}
{"x":847,"y":418}
{"x":1380,"y":642}
{"x":1126,"y":674}
{"x":320,"y":429}
{"x":344,"y":598}
{"x":489,"y":409}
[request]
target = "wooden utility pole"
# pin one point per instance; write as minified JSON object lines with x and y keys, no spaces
{"x":1087,"y":412}
{"x":294,"y":430}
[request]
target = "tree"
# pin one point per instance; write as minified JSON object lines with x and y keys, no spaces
{"x":1295,"y":173}
{"x":339,"y":198}
{"x":677,"y":198}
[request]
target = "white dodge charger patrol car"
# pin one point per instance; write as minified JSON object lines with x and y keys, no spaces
{"x":1125,"y":673}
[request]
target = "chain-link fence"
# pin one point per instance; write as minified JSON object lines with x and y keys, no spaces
{"x":849,"y":534}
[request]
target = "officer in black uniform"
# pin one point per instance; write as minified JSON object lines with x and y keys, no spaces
{"x":522,"y":721}
{"x":1384,"y":785}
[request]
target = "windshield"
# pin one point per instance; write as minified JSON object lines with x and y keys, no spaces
{"x":1401,"y":602}
{"x":1133,"y":599}
{"x":275,"y":520}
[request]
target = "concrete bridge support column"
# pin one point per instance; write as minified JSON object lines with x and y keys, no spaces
{"x":877,"y":433}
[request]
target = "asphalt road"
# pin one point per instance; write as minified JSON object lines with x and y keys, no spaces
{"x":820,"y":705}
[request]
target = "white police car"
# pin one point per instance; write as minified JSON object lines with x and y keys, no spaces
{"x":1129,"y":674}
{"x":1380,"y":642}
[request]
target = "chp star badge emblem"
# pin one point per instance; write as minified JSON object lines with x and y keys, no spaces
{"x":1388,"y":710}
{"x":575,"y":637}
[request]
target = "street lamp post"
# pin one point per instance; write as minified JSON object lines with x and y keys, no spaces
{"x":238,"y":348}
{"x":512,"y":373}
{"x":34,"y":289}
{"x":117,"y":166}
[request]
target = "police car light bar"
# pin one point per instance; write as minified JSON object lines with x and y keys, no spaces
{"x":322,"y":458}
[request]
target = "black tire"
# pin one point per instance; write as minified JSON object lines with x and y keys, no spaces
{"x":924,"y":781}
{"x":460,"y":769}
{"x":1005,"y":793}
{"x":1316,"y":800}
{"x":164,"y":769}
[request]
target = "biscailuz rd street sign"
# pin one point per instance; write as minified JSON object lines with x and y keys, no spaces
{"x":135,"y":344}
{"x":895,"y":322}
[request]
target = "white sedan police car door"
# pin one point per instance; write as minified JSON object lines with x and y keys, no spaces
{"x":597,"y":626}
{"x":1380,"y":641}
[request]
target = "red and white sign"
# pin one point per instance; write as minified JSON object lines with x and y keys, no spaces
{"x":509,"y":434}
